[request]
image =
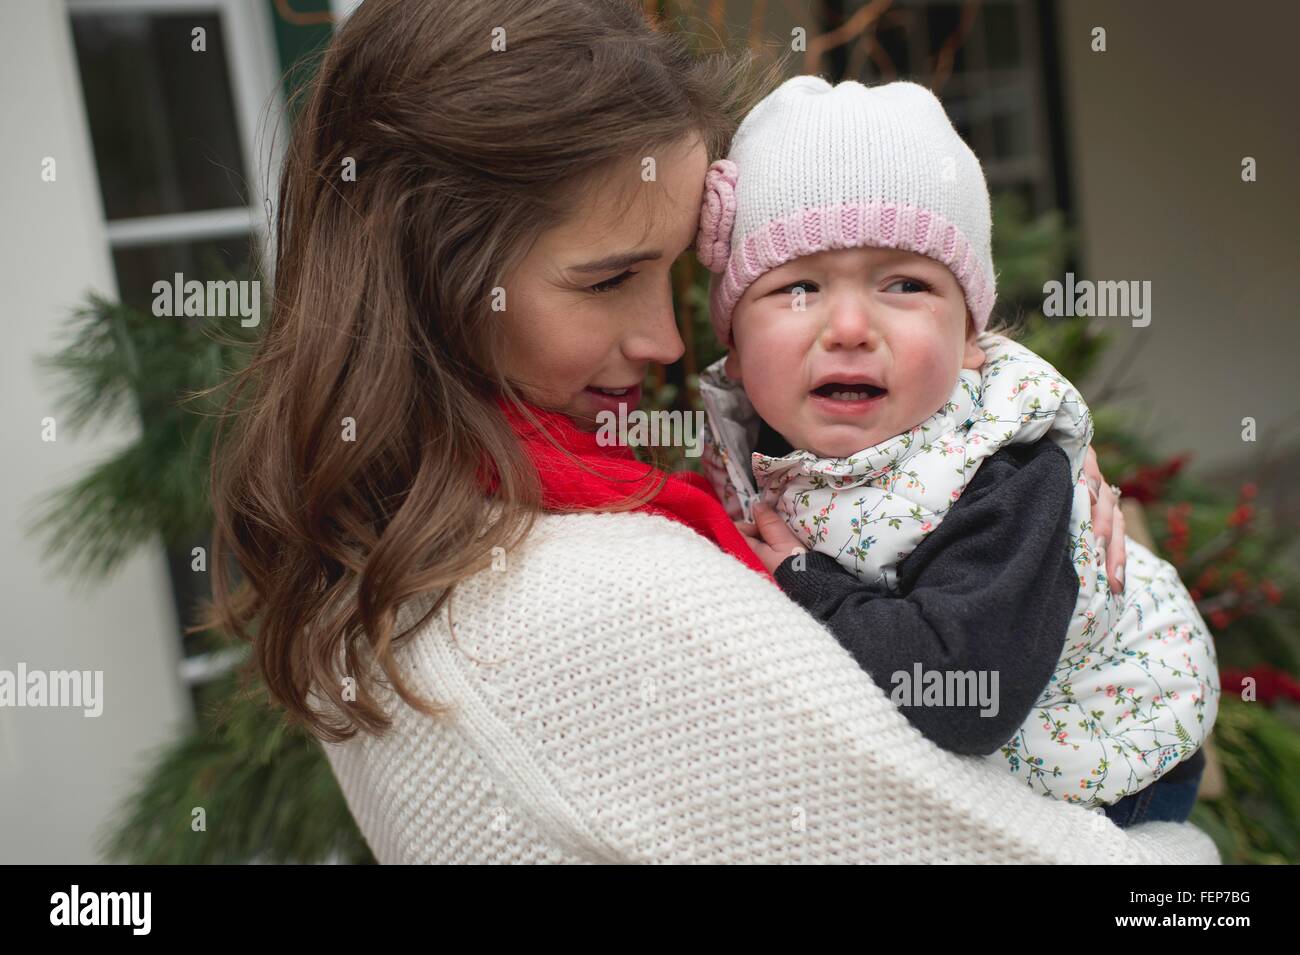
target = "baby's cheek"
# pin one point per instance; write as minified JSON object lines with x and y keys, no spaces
{"x":766,"y":386}
{"x":770,"y":385}
{"x":772,"y":349}
{"x":925,"y":372}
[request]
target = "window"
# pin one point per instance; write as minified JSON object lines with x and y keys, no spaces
{"x":983,"y":60}
{"x":175,"y":131}
{"x":185,"y":157}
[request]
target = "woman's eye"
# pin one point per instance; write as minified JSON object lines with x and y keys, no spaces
{"x":912,"y":286}
{"x":808,"y":288}
{"x":610,"y":284}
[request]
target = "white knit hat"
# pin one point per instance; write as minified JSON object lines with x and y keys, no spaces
{"x":816,"y":167}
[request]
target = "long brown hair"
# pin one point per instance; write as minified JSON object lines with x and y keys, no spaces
{"x":381,"y":314}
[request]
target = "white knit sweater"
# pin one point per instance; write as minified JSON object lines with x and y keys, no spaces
{"x":626,"y":692}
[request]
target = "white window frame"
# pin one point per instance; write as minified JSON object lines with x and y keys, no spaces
{"x":252,"y":65}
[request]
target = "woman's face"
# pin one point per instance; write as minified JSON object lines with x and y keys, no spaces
{"x":591,"y":304}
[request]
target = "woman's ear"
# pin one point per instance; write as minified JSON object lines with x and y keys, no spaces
{"x":731,"y":366}
{"x":973,"y":357}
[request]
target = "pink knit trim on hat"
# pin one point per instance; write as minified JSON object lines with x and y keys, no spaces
{"x":717,"y":215}
{"x":891,"y":225}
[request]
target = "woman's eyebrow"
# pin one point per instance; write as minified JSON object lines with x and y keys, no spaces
{"x":617,"y":262}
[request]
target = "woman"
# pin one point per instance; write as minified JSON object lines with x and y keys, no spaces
{"x":500,"y":673}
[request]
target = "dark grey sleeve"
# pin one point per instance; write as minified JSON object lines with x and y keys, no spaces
{"x":990,"y":590}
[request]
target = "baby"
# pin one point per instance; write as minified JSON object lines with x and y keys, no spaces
{"x":861,"y":396}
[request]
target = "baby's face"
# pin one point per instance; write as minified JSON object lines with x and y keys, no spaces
{"x":871,"y":349}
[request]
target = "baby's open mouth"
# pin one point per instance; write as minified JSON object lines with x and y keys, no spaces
{"x":843,"y":391}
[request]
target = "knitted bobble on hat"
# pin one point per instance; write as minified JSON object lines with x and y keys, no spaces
{"x":717,"y":216}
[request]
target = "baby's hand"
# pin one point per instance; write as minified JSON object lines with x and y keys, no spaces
{"x":769,"y":538}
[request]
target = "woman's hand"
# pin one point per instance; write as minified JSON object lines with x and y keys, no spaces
{"x":769,"y":537}
{"x":1107,"y":522}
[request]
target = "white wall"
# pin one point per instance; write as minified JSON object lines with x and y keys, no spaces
{"x":1159,"y":124}
{"x":60,"y":772}
{"x":341,"y":8}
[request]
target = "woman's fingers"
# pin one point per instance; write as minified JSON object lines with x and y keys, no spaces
{"x":1107,"y":522}
{"x":1103,"y":516}
{"x":1116,"y":555}
{"x":1103,"y":501}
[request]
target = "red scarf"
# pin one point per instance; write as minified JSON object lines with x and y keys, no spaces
{"x":685,"y":497}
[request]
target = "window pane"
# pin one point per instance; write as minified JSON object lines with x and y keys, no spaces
{"x":1002,"y":34}
{"x":892,"y":37}
{"x":189,"y":589}
{"x":962,"y":116}
{"x":162,"y":119}
{"x":139,"y":267}
{"x":1010,"y":107}
{"x":944,"y":23}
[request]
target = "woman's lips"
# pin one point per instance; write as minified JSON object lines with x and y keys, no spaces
{"x":607,"y":402}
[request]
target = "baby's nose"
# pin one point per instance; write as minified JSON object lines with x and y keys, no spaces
{"x":849,"y":324}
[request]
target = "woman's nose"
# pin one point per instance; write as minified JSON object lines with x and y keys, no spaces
{"x":654,"y":336}
{"x":850,"y":324}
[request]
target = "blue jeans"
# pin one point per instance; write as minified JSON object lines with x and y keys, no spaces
{"x":1169,"y":799}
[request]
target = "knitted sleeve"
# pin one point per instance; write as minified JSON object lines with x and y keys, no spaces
{"x":625,"y":692}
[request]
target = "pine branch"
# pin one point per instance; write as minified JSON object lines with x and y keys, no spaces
{"x":121,"y":363}
{"x":1257,"y":820}
{"x":265,"y":789}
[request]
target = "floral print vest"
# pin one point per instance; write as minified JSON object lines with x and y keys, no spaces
{"x":1136,"y":690}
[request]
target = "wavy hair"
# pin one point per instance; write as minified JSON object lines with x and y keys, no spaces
{"x":380,"y":315}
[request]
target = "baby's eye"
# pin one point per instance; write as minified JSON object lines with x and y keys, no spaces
{"x":808,"y":288}
{"x":912,"y":286}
